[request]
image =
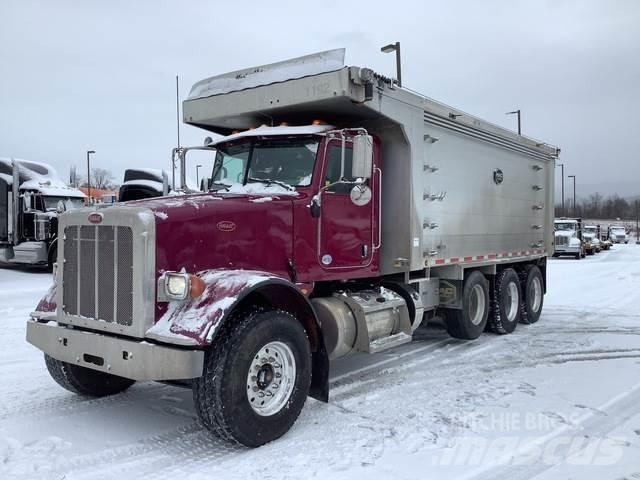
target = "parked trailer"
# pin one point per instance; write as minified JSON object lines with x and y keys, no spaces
{"x":31,"y":198}
{"x":359,"y":210}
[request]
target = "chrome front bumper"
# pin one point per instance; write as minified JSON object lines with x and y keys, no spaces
{"x":564,"y":250}
{"x":137,"y":360}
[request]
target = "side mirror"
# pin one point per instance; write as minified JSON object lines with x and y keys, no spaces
{"x":362,"y":156}
{"x":27,"y":201}
{"x":61,"y":207}
{"x":205,"y":184}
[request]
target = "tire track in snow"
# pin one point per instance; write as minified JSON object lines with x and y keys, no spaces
{"x":598,"y":422}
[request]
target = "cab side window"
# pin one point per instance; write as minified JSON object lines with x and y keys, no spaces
{"x":334,"y":154}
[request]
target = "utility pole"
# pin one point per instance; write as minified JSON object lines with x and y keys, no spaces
{"x":574,"y":193}
{"x":637,"y":231}
{"x":564,"y":214}
{"x":516,"y":112}
{"x":89,"y":152}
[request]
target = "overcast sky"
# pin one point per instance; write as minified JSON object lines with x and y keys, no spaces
{"x":101,"y":74}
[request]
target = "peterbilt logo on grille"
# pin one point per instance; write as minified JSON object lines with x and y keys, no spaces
{"x":226,"y":226}
{"x":95,"y":217}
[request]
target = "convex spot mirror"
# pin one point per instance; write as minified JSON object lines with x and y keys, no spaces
{"x":362,"y":156}
{"x":360,"y":195}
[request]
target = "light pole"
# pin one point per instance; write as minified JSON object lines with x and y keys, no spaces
{"x":561,"y":165}
{"x":197,"y":175}
{"x":516,"y":112}
{"x":89,"y":152}
{"x":394,"y":47}
{"x":574,"y":193}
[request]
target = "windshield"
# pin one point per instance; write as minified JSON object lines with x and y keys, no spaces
{"x":51,"y":203}
{"x":564,"y":226}
{"x":591,"y":230}
{"x":287,"y":161}
{"x":618,"y":230}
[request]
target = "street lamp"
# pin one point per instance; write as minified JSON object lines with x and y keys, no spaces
{"x":561,"y":165}
{"x":197,"y":175}
{"x":516,"y":112}
{"x":89,"y":152}
{"x":574,"y":193}
{"x":394,"y":47}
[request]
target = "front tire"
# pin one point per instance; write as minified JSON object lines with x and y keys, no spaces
{"x":505,"y":302}
{"x":532,"y":285}
{"x":470,"y":321}
{"x":256,"y":379}
{"x":84,"y":381}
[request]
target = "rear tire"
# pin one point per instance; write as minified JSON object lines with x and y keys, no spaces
{"x":505,"y":302}
{"x":532,"y":285}
{"x":249,"y":409}
{"x":469,"y":322}
{"x":84,"y":381}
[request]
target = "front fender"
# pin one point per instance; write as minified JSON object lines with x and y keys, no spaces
{"x":195,"y":321}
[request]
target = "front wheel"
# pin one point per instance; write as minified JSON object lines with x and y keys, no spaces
{"x":256,"y":379}
{"x":84,"y":381}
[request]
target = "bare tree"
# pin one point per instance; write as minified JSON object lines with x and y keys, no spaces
{"x":101,"y":178}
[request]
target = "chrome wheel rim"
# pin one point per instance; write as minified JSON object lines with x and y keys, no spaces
{"x":513,"y":302}
{"x":477,"y":304}
{"x":271,"y":378}
{"x":537,"y":294}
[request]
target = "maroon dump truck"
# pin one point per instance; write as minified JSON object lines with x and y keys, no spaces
{"x":333,"y":228}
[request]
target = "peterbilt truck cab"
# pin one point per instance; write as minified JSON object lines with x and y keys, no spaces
{"x":569,"y":238}
{"x":340,"y":212}
{"x":31,"y":198}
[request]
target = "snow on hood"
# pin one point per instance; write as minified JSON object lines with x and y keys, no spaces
{"x":258,"y":188}
{"x":40,"y":177}
{"x":264,"y":131}
{"x":314,"y":64}
{"x":185,"y":322}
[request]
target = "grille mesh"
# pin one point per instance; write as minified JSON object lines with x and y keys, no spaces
{"x":562,"y":240}
{"x":98,"y":273}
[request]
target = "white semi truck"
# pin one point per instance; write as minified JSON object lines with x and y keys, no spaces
{"x":342,"y":211}
{"x":31,"y":198}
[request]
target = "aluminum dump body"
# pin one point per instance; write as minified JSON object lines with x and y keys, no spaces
{"x":455,"y":189}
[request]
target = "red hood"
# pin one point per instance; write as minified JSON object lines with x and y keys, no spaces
{"x":206,"y":231}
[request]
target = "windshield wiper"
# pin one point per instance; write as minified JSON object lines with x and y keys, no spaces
{"x":218,"y":182}
{"x":269,"y":181}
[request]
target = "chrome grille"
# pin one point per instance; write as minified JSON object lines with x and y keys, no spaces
{"x":562,"y":240}
{"x":98,"y":273}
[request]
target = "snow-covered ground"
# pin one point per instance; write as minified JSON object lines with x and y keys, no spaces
{"x":555,"y":400}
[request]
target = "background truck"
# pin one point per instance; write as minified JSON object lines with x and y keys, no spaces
{"x":618,"y":234}
{"x":31,"y":198}
{"x":591,"y":236}
{"x":142,"y":183}
{"x":359,"y":210}
{"x":568,"y":238}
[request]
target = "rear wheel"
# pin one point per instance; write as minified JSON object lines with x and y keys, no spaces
{"x":256,"y":379}
{"x":531,"y":283}
{"x":505,"y":302}
{"x":470,"y":321}
{"x":84,"y":381}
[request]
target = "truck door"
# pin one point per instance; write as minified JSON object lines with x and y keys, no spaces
{"x":346,"y":236}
